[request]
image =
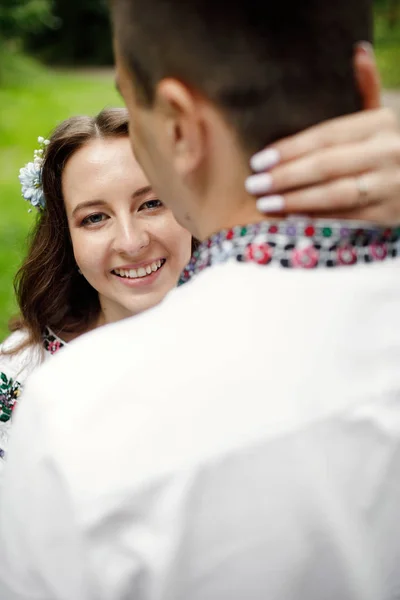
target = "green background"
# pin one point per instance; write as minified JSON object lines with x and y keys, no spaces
{"x":26,"y":113}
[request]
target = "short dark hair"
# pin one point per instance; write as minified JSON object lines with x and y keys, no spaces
{"x":274,"y":67}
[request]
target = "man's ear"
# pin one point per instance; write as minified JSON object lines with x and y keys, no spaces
{"x":180,"y":110}
{"x":367,"y":75}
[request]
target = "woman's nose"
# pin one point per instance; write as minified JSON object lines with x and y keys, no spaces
{"x":131,"y":237}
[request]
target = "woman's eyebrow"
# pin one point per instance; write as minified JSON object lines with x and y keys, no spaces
{"x":143,"y":191}
{"x":88,"y":204}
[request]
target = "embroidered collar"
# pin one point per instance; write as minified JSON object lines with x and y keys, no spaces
{"x":296,"y":242}
{"x":51,"y":342}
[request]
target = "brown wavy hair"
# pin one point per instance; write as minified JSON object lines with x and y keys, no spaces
{"x":49,"y":289}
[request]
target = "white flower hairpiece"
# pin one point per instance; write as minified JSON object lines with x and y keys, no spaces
{"x":30,"y":177}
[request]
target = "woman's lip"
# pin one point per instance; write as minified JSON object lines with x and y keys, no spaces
{"x":140,"y":281}
{"x":137,"y":266}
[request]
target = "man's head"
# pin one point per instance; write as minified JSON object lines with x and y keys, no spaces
{"x":207,"y":81}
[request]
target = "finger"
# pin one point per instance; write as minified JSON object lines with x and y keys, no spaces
{"x":343,"y":196}
{"x":367,"y":75}
{"x":328,"y":164}
{"x":341,"y":131}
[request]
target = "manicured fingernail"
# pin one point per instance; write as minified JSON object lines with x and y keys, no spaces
{"x":265,"y":159}
{"x":258,"y":184}
{"x":269,"y":204}
{"x":368,"y":48}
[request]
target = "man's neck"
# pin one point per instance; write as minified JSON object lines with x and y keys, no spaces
{"x":224,"y":203}
{"x":238,"y":209}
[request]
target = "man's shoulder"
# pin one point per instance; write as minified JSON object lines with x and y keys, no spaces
{"x":124,"y":358}
{"x":236,"y":326}
{"x":236,"y":354}
{"x":226,"y":301}
{"x":132,"y":337}
{"x":114,"y":350}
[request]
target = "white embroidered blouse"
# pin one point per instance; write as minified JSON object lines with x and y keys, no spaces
{"x":14,"y":371}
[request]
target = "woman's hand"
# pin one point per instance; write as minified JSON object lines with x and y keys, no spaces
{"x":348,"y":167}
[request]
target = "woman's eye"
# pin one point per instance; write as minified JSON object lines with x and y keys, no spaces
{"x":94,"y":219}
{"x":151,"y":205}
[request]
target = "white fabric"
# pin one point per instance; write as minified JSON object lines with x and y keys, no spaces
{"x":21,"y":364}
{"x":239,"y":442}
{"x":17,"y":366}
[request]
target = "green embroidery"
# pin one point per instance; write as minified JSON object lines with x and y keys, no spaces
{"x":9,"y":392}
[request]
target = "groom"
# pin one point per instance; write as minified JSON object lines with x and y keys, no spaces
{"x":242,"y":440}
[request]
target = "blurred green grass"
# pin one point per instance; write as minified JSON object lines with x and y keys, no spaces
{"x":27,"y":111}
{"x":387,"y":48}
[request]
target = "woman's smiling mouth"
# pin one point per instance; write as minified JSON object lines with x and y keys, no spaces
{"x":140,"y":272}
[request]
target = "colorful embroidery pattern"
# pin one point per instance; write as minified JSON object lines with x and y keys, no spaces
{"x":296,"y":243}
{"x":51,"y":342}
{"x":10,"y":389}
{"x":9,"y":392}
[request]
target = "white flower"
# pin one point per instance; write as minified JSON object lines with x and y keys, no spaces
{"x":30,"y":177}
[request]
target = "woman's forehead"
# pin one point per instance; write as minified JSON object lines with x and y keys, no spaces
{"x":102,"y":164}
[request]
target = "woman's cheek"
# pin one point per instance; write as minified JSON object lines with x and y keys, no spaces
{"x":89,"y":253}
{"x":176,"y":239}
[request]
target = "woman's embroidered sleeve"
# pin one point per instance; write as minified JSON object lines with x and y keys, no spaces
{"x":10,"y":390}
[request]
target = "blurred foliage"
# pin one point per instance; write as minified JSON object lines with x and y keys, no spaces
{"x":77,"y":32}
{"x":19,"y":18}
{"x":389,"y":10}
{"x":82,"y":35}
{"x":16,"y":68}
{"x":58,"y":32}
{"x":387,"y":41}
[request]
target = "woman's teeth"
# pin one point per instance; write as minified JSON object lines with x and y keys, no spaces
{"x":141,"y":272}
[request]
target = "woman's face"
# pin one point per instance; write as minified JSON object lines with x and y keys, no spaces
{"x":126,"y":242}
